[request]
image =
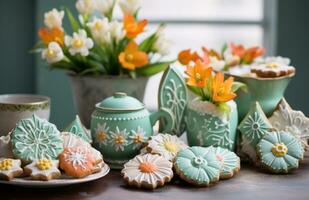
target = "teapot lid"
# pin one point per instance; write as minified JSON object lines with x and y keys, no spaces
{"x":120,"y":102}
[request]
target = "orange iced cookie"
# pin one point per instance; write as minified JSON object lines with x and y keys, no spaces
{"x":77,"y":162}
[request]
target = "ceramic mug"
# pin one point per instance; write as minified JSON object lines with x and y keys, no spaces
{"x":14,"y":107}
{"x":206,"y":125}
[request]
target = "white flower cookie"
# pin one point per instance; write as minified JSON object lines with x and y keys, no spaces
{"x":43,"y":169}
{"x":165,"y":145}
{"x":10,"y":168}
{"x":147,"y":171}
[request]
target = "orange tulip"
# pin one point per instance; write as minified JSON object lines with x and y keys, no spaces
{"x":51,"y":35}
{"x":132,"y":27}
{"x":198,"y":74}
{"x":185,"y":57}
{"x":131,"y":58}
{"x":212,"y":53}
{"x":237,"y":50}
{"x":252,"y":53}
{"x":221,"y":90}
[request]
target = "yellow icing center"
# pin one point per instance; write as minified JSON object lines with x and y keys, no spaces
{"x":279,"y":150}
{"x":119,"y":139}
{"x":77,"y":43}
{"x":6,"y":164}
{"x":272,"y":65}
{"x":147,"y":167}
{"x":138,"y":139}
{"x":44,"y":164}
{"x":171,"y":147}
{"x":102,"y":136}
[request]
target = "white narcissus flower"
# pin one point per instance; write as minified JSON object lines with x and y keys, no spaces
{"x":162,"y":44}
{"x":217,"y":64}
{"x":53,"y":53}
{"x":116,"y":31}
{"x":79,"y":43}
{"x":105,"y":6}
{"x":129,"y":7}
{"x":53,"y":18}
{"x":230,"y":59}
{"x":100,"y":30}
{"x":85,"y":7}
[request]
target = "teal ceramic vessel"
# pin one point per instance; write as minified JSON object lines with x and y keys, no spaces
{"x":120,"y":125}
{"x":267,"y":91}
{"x":208,"y":126}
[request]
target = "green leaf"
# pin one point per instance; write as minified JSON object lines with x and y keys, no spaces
{"x":62,"y":65}
{"x":38,"y":47}
{"x":224,"y":48}
{"x":146,"y":45}
{"x":151,"y":69}
{"x":224,"y":107}
{"x":239,"y":85}
{"x":73,"y":21}
{"x":195,"y":90}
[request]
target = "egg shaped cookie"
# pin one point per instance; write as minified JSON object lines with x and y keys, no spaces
{"x":280,"y":152}
{"x":198,"y":166}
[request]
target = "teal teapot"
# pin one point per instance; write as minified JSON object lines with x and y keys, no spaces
{"x":121,"y":125}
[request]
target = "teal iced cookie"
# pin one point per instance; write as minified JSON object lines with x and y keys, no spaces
{"x":198,"y":166}
{"x":77,"y":128}
{"x":280,"y":152}
{"x":230,"y":162}
{"x":36,"y":138}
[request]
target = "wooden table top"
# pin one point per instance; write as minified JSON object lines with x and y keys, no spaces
{"x":250,"y":183}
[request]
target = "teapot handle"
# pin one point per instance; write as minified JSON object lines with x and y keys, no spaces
{"x":167,"y":115}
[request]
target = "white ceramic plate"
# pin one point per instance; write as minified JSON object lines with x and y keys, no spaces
{"x":62,"y":181}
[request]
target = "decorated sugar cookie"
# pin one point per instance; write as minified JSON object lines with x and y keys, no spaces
{"x":76,"y":127}
{"x":230,"y":162}
{"x":280,"y":152}
{"x":35,"y":139}
{"x":77,"y":162}
{"x":166,"y":145}
{"x":295,"y":122}
{"x":147,"y":171}
{"x":253,"y":127}
{"x":72,"y":140}
{"x":10,"y":168}
{"x":5,"y":146}
{"x":198,"y":166}
{"x":43,"y":169}
{"x":273,"y":67}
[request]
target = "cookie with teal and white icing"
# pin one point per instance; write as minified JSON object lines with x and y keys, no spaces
{"x":286,"y":119}
{"x":280,"y":152}
{"x":198,"y":166}
{"x":230,"y":162}
{"x":35,"y":138}
{"x":253,"y":127}
{"x":76,"y":127}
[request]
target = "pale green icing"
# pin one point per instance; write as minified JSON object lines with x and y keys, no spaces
{"x":255,"y":125}
{"x":77,"y":128}
{"x":228,"y":159}
{"x":198,"y":164}
{"x":283,"y":163}
{"x":36,"y":138}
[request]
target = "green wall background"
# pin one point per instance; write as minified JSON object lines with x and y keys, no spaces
{"x":22,"y":72}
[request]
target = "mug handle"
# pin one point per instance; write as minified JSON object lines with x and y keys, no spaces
{"x":167,"y":115}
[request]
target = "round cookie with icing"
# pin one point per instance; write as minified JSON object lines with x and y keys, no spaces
{"x":43,"y":169}
{"x":10,"y":168}
{"x":165,"y":145}
{"x":198,"y":166}
{"x":147,"y":171}
{"x":273,"y":67}
{"x":34,"y":139}
{"x":77,"y":162}
{"x":280,"y":152}
{"x":230,"y":162}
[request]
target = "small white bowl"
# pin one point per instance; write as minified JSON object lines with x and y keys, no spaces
{"x":14,"y":107}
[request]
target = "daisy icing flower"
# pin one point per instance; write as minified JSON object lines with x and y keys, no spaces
{"x":119,"y":139}
{"x":79,"y":43}
{"x":138,"y":137}
{"x":102,"y":133}
{"x":53,"y":53}
{"x":53,"y":18}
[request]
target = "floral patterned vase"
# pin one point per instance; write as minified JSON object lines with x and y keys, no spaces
{"x":121,"y":125}
{"x":207,"y":125}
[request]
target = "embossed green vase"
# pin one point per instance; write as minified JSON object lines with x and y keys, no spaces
{"x":267,"y":91}
{"x":120,"y":125}
{"x":209,"y":126}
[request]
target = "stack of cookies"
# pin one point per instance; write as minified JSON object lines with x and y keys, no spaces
{"x":166,"y":154}
{"x":35,"y":148}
